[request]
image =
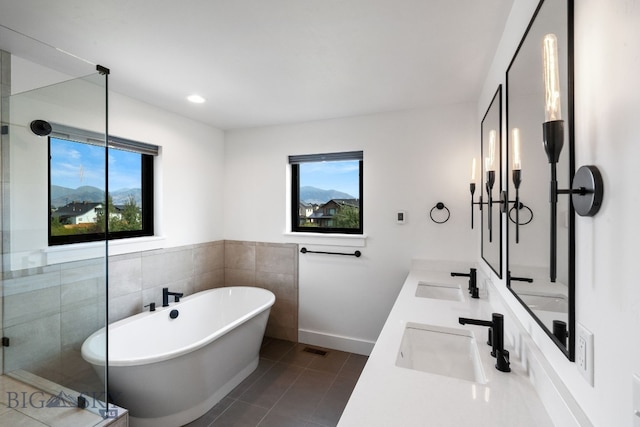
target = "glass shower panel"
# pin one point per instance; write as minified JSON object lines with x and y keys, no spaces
{"x":53,"y":297}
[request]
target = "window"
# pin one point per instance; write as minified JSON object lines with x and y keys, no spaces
{"x":77,"y":211}
{"x":326,"y":193}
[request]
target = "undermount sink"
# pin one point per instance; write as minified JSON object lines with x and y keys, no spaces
{"x":440,"y":350}
{"x":545,"y":302}
{"x":439,"y":291}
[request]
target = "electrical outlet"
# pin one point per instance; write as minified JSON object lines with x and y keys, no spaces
{"x":584,"y":352}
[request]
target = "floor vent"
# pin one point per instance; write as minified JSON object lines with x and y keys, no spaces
{"x":315,"y":351}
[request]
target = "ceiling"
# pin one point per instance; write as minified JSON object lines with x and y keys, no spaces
{"x":265,"y":62}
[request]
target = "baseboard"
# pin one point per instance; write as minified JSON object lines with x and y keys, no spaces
{"x":336,"y":342}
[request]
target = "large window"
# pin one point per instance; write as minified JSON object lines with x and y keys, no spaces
{"x":82,"y":204}
{"x":326,"y":193}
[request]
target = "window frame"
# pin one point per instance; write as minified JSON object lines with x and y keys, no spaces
{"x":295,"y":162}
{"x":147,"y":157}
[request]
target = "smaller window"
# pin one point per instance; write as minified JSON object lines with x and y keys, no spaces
{"x":326,"y":193}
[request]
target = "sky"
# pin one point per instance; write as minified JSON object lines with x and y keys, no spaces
{"x":74,"y":164}
{"x":342,"y":176}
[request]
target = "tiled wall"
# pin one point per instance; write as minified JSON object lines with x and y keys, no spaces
{"x":272,"y":266}
{"x":137,"y":279}
{"x":50,"y":311}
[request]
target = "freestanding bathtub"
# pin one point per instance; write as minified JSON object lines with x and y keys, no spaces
{"x":169,"y":371}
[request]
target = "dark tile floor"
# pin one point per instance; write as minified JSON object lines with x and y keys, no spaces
{"x":290,"y":388}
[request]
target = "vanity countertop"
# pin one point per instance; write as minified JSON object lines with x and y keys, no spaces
{"x":388,"y":395}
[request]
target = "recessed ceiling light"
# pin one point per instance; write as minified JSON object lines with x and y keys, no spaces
{"x":196,"y":99}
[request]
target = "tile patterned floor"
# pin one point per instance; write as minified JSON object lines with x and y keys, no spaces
{"x":290,"y":388}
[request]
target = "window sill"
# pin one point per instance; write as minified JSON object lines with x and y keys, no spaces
{"x":91,"y":250}
{"x":328,"y":239}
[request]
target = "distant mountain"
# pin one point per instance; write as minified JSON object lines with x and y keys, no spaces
{"x":317,"y":195}
{"x":120,"y":197}
{"x":61,"y":196}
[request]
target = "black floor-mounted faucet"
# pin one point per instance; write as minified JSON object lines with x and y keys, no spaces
{"x":496,"y":338}
{"x":473,"y":286}
{"x":166,"y":294}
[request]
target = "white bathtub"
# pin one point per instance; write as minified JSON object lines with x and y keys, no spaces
{"x":168,"y":372}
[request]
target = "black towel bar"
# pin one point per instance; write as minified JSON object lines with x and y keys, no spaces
{"x":307,"y":251}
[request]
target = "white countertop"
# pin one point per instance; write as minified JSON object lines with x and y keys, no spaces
{"x":387,"y":395}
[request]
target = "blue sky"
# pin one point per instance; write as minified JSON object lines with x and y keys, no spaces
{"x":74,"y":165}
{"x":341,"y":176}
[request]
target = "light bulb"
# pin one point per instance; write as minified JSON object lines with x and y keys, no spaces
{"x":473,"y":170}
{"x":492,"y":149}
{"x":517,"y":160}
{"x":551,"y":78}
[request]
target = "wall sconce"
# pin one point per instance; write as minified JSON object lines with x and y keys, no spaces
{"x":587,"y":186}
{"x":472,"y":189}
{"x":489,"y":183}
{"x":516,"y":177}
{"x":490,"y":169}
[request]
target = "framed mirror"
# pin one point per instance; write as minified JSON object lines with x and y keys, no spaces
{"x":490,"y":149}
{"x":545,"y":289}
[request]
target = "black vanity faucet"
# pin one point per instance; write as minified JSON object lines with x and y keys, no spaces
{"x":473,"y":286}
{"x":511,"y":278}
{"x":166,"y":294}
{"x":496,"y":338}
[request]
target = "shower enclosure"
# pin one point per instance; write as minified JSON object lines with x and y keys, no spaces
{"x":53,"y":296}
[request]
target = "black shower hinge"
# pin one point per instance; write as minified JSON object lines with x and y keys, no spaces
{"x":103,"y":70}
{"x":82,"y":402}
{"x":5,"y":341}
{"x":5,"y":130}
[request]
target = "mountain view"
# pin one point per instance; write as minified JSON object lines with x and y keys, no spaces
{"x":61,"y":196}
{"x":319,"y":196}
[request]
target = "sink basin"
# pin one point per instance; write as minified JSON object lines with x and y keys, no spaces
{"x":440,"y":350}
{"x":439,"y":291}
{"x":545,"y":302}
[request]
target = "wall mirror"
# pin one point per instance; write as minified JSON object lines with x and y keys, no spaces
{"x":549,"y":299}
{"x":490,"y":149}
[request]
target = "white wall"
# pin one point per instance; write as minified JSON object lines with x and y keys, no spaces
{"x":190,"y":176}
{"x":412,"y":160}
{"x":189,"y":170}
{"x":607,"y":100}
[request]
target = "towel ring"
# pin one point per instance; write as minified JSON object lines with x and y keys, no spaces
{"x":440,"y":206}
{"x":522,"y":206}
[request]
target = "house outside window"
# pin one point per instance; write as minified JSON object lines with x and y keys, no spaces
{"x":79,"y":210}
{"x":327,"y":193}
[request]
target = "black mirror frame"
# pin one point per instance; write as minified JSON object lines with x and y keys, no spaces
{"x":496,"y":102}
{"x":569,"y":348}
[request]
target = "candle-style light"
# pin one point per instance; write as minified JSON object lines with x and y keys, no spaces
{"x":472,"y":187}
{"x":551,"y":78}
{"x":517,"y":159}
{"x":553,"y":134}
{"x":516,"y":176}
{"x":489,"y":165}
{"x":492,"y":150}
{"x":473,"y":170}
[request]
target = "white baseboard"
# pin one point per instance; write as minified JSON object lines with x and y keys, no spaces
{"x":336,"y":342}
